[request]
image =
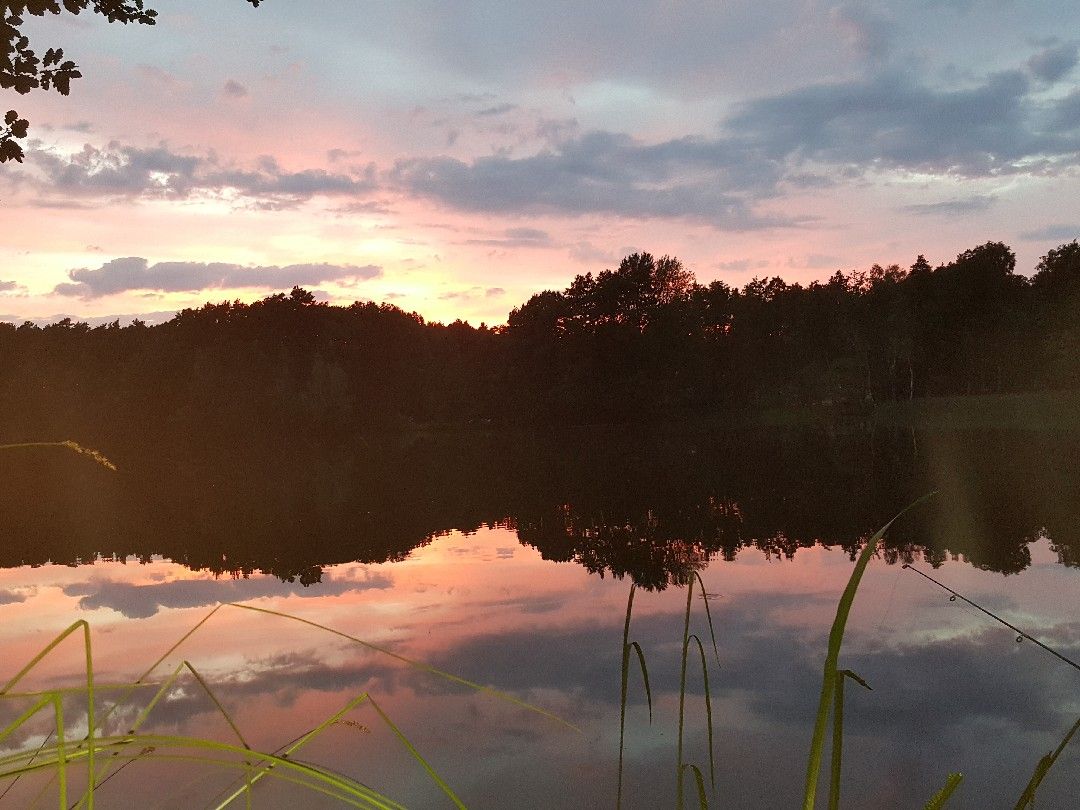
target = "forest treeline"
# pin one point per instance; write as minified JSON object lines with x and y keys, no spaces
{"x":643,"y":341}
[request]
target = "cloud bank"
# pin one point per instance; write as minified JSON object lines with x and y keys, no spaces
{"x":125,"y":171}
{"x":136,"y":273}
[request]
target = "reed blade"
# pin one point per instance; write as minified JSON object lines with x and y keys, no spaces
{"x":708,"y":616}
{"x":1027,"y":798}
{"x":939,"y":799}
{"x":836,"y":639}
{"x":644,"y":675}
{"x":679,"y":797}
{"x":699,"y":783}
{"x":708,"y":709}
{"x":624,"y":679}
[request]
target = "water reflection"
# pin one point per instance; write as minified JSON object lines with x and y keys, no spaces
{"x":952,"y":691}
{"x":653,"y":506}
{"x":480,"y":554}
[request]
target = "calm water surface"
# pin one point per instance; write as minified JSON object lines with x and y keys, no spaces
{"x":506,"y":602}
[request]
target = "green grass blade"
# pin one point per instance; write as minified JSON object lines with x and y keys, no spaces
{"x":829,"y":676}
{"x":847,"y":673}
{"x":644,"y":675}
{"x":708,"y":615}
{"x":420,"y":665}
{"x":166,"y":687}
{"x":287,"y":750}
{"x":1027,"y":798}
{"x":210,"y":692}
{"x":141,"y":681}
{"x":416,"y":754}
{"x":74,"y":690}
{"x":939,"y":799}
{"x":624,"y":678}
{"x":838,"y":734}
{"x":90,"y":719}
{"x":699,"y":782}
{"x":52,"y":645}
{"x":679,"y":802}
{"x":58,"y":713}
{"x":61,"y":772}
{"x":16,"y":724}
{"x":708,"y":709}
{"x":309,"y":779}
{"x":203,"y":749}
{"x":837,"y":745}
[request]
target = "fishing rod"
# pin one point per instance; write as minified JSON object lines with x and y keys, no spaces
{"x":1020,"y":634}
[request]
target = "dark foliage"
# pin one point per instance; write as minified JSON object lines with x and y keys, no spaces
{"x":287,"y":434}
{"x":643,"y":342}
{"x":22,"y":70}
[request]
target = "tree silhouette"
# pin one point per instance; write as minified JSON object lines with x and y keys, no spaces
{"x":22,"y":70}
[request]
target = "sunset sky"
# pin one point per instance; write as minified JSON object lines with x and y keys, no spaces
{"x":455,"y":157}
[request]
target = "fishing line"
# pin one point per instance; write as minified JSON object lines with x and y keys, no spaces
{"x":1020,"y":634}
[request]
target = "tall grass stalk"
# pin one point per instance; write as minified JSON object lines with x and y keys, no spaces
{"x":420,"y":665}
{"x":91,"y":762}
{"x":680,"y":764}
{"x":1027,"y":798}
{"x":74,"y":447}
{"x":829,"y":676}
{"x":627,"y":645}
{"x":838,"y":735}
{"x":289,"y":749}
{"x":699,"y":783}
{"x":939,"y":799}
{"x":200,"y":750}
{"x":134,"y":745}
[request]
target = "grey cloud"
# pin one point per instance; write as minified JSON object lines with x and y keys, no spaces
{"x":815,"y":260}
{"x":142,"y":601}
{"x":9,"y":286}
{"x":461,"y":295}
{"x":588,"y":252}
{"x":234,"y":89}
{"x":338,"y":155}
{"x":368,"y":207}
{"x":497,"y":109}
{"x":516,"y":237}
{"x":528,"y":234}
{"x":809,"y":180}
{"x":119,"y":170}
{"x":156,"y":75}
{"x":10,"y":597}
{"x":892,"y":120}
{"x":919,"y":688}
{"x":1058,"y":233}
{"x":1054,"y":63}
{"x":956,"y":207}
{"x":136,"y":273}
{"x":740,"y":265}
{"x":867,"y":31}
{"x":604,"y":173}
{"x":1067,"y":113}
{"x":59,"y":205}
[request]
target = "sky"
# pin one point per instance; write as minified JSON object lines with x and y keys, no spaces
{"x":454,"y":158}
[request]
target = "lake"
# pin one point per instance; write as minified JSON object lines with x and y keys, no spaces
{"x":507,"y":560}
